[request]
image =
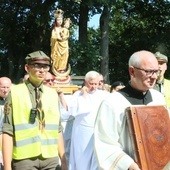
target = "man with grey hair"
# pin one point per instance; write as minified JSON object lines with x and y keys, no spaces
{"x":83,"y":106}
{"x":113,"y":146}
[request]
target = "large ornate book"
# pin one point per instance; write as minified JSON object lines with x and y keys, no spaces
{"x":149,"y":128}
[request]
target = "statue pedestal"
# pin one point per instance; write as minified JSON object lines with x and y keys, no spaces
{"x":62,"y":80}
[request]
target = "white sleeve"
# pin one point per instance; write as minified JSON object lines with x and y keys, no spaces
{"x":108,"y":149}
{"x":79,"y":105}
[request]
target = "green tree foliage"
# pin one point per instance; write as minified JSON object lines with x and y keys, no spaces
{"x":137,"y":25}
{"x":25,"y":27}
{"x":133,"y":25}
{"x":85,"y":57}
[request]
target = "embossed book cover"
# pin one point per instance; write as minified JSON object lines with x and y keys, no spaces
{"x":149,"y":128}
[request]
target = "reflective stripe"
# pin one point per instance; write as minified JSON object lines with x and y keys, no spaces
{"x":25,"y":126}
{"x":36,"y":139}
{"x":27,"y":141}
{"x":51,"y":127}
{"x":49,"y":141}
{"x":30,"y":126}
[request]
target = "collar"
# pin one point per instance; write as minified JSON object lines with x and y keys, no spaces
{"x":132,"y":90}
{"x":31,"y":87}
{"x":2,"y":98}
{"x":160,"y":81}
{"x":134,"y":96}
{"x":2,"y":101}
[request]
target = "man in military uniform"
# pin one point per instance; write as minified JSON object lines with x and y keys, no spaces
{"x":162,"y":84}
{"x":32,"y":137}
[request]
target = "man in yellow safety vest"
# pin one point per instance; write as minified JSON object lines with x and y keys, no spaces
{"x":32,"y":137}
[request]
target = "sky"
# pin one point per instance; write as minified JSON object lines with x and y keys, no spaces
{"x":94,"y":21}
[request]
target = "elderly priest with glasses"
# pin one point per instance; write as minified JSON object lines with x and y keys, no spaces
{"x":32,"y":137}
{"x":113,"y":144}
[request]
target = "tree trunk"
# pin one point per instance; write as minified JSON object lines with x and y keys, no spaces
{"x":10,"y":64}
{"x":104,"y":28}
{"x":83,"y":23}
{"x":20,"y":68}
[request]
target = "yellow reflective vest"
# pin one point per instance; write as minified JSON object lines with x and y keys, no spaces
{"x":29,"y":141}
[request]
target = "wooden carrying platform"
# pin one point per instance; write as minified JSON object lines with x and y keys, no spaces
{"x":149,"y":128}
{"x":68,"y":88}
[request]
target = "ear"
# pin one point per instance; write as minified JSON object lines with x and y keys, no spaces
{"x":131,"y":71}
{"x":85,"y":83}
{"x":27,"y":68}
{"x":166,"y":67}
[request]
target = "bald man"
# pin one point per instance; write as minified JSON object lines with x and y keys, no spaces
{"x":5,"y":84}
{"x":49,"y":80}
{"x":113,"y":146}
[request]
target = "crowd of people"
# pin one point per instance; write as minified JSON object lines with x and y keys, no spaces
{"x":41,"y":128}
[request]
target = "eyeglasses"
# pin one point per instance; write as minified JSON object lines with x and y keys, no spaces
{"x":48,"y":80}
{"x":4,"y":87}
{"x":150,"y":72}
{"x":40,"y":66}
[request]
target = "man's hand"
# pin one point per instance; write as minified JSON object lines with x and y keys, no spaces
{"x":134,"y":166}
{"x":59,"y":91}
{"x":84,"y":91}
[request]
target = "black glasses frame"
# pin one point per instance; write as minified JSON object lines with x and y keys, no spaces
{"x":149,"y":72}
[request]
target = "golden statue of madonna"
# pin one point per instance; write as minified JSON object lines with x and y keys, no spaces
{"x":59,"y":44}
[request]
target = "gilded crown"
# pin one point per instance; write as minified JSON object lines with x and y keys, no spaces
{"x":58,"y":13}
